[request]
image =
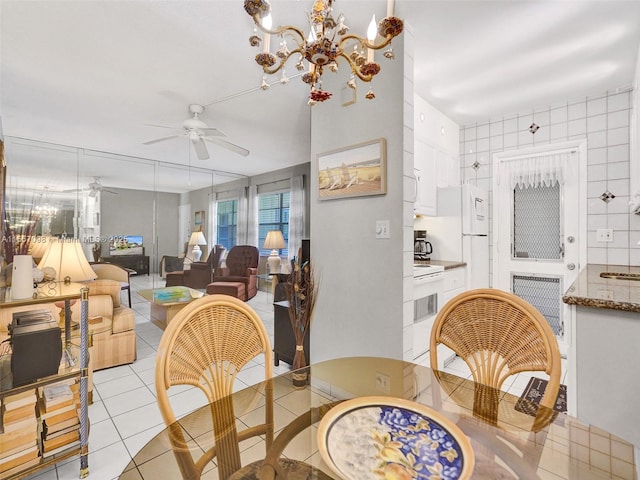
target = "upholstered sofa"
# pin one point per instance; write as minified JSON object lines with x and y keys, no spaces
{"x":117,"y":346}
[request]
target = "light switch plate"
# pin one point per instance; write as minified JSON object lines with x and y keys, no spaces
{"x":382,"y":228}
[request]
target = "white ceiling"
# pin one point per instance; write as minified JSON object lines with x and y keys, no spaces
{"x":92,"y":74}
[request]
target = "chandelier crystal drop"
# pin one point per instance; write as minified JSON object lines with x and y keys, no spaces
{"x":327,"y":41}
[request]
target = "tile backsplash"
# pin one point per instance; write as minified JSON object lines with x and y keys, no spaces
{"x":604,"y":121}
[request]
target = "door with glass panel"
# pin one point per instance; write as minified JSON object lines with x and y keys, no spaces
{"x":540,"y":229}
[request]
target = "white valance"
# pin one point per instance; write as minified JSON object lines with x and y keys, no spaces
{"x":537,"y":169}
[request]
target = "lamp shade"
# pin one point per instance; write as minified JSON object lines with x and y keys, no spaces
{"x":274,"y":240}
{"x":66,"y":257}
{"x":197,"y":238}
{"x":39,"y":245}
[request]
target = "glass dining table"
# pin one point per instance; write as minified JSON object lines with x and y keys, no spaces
{"x":508,"y":437}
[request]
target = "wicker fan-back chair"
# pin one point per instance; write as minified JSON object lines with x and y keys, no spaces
{"x":205,"y":345}
{"x":498,"y":334}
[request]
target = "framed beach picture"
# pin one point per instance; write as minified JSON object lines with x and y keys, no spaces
{"x":354,"y":171}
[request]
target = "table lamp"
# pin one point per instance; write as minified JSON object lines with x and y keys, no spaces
{"x":274,"y":241}
{"x":197,"y":239}
{"x":66,"y":257}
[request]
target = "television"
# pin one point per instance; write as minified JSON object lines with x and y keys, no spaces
{"x":126,"y":245}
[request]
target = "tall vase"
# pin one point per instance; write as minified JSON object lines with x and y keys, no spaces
{"x":22,"y":277}
{"x":300,"y":371}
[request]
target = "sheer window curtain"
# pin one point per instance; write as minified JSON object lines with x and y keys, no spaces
{"x":252,"y":216}
{"x":213,"y":223}
{"x":243,"y":216}
{"x":296,"y":215}
{"x":536,"y":169}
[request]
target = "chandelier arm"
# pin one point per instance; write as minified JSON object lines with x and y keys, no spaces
{"x":271,"y":71}
{"x":355,"y":69}
{"x":364,"y":42}
{"x":278,"y":30}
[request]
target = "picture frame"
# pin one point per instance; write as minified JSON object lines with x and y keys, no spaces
{"x":199,"y":221}
{"x":354,"y":171}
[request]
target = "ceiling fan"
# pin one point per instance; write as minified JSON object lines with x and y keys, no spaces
{"x":197,"y":131}
{"x":94,"y":188}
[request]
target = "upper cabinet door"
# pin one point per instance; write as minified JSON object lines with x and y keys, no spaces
{"x":425,"y":163}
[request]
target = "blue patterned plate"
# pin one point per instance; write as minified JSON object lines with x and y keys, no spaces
{"x":392,"y":438}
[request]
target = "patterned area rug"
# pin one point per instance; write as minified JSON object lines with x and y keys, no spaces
{"x":530,"y":398}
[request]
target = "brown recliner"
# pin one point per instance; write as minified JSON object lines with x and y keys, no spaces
{"x":241,"y":266}
{"x":200,"y":274}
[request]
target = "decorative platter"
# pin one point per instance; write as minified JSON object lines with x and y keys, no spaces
{"x":392,"y":438}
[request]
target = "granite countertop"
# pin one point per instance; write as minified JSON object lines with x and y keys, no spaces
{"x":592,"y":290}
{"x":448,"y":265}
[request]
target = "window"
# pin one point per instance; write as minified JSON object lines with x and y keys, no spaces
{"x":227,"y":225}
{"x":273,"y":214}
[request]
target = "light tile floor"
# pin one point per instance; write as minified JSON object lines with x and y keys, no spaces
{"x":124,"y":416}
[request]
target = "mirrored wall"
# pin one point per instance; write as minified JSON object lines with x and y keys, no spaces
{"x":123,"y":209}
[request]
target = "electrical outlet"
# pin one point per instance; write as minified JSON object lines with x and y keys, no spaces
{"x":383,"y":382}
{"x":604,"y":235}
{"x":605,"y":294}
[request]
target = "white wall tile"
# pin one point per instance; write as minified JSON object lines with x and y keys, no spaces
{"x":596,"y":188}
{"x":618,"y":153}
{"x":620,"y":204}
{"x":511,"y":125}
{"x":542,"y":118}
{"x":597,"y":172}
{"x":597,"y":255}
{"x":618,"y":221}
{"x":577,"y":127}
{"x":558,"y":131}
{"x":617,"y":170}
{"x":618,"y":256}
{"x":596,"y":156}
{"x":595,"y":206}
{"x":596,"y":123}
{"x":470,"y":146}
{"x":595,"y":222}
{"x":496,"y":143}
{"x":558,"y":115}
{"x":619,"y":187}
{"x":482,"y":144}
{"x":470,"y":133}
{"x":618,"y":136}
{"x":634,"y":223}
{"x":597,"y":106}
{"x":496,"y":128}
{"x":597,"y":140}
{"x":618,"y":119}
{"x":482,"y":131}
{"x":541,"y":136}
{"x":577,"y":110}
{"x":634,"y":257}
{"x":510,"y":140}
{"x":618,"y":102}
{"x":524,"y":121}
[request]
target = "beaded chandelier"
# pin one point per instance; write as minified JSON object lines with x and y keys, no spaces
{"x":327,"y":41}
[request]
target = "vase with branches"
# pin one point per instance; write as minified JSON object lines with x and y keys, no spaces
{"x":302,"y":292}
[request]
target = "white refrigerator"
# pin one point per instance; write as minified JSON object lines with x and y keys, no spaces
{"x":460,"y":231}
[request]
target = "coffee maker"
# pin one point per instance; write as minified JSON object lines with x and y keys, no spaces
{"x":421,"y":248}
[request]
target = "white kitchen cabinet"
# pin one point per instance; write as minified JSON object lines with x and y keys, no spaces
{"x":426,"y":173}
{"x":454,"y":284}
{"x":448,"y":167}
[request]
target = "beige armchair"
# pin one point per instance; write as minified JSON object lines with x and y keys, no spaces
{"x":110,"y":271}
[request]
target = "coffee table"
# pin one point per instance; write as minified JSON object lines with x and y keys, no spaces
{"x":167,"y":301}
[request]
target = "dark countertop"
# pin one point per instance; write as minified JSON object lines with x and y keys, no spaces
{"x":448,"y":265}
{"x":591,"y":290}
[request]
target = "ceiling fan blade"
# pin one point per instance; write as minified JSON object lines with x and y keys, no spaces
{"x":160,"y":126}
{"x":200,"y":148}
{"x":74,"y":190}
{"x":212,"y":131}
{"x":228,"y":145}
{"x":109,"y":191}
{"x":162,"y":139}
